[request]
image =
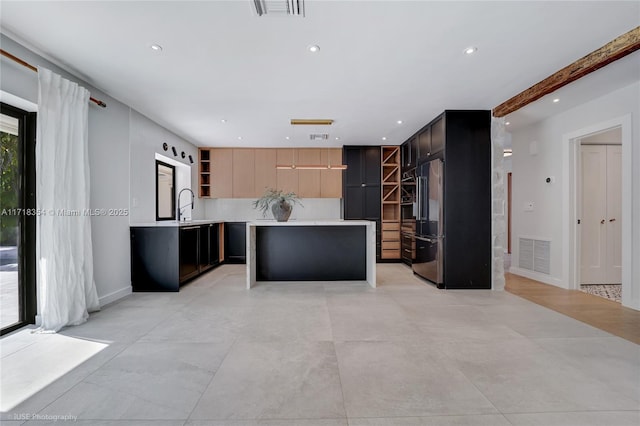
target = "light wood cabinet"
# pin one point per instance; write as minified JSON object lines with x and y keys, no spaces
{"x":265,"y":170}
{"x":243,"y":173}
{"x":287,"y":180}
{"x":221,"y":172}
{"x":309,"y":180}
{"x":331,"y":180}
{"x":247,"y":172}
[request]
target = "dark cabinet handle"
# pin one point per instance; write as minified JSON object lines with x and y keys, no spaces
{"x":602,"y":222}
{"x":612,"y":220}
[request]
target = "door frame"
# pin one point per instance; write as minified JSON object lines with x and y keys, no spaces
{"x":509,"y":188}
{"x":570,"y":199}
{"x":27,"y":299}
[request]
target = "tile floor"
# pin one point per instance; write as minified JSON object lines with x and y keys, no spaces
{"x":322,"y":354}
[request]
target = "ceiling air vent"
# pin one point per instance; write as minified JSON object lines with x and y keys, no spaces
{"x":319,"y":136}
{"x":279,"y":7}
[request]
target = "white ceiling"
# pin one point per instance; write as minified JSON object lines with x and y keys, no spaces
{"x":380,"y":61}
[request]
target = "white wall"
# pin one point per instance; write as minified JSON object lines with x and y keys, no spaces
{"x":146,"y":139}
{"x":538,"y":154}
{"x":242,"y":209}
{"x":117,"y":161}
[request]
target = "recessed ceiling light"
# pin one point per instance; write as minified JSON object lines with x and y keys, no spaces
{"x":337,"y":138}
{"x":287,"y":137}
{"x":156,"y":47}
{"x":384,"y":138}
{"x":239,"y":138}
{"x":470,"y":50}
{"x":314,"y":48}
{"x":507,"y":123}
{"x":556,"y":100}
{"x":223,"y":121}
{"x":399,"y":121}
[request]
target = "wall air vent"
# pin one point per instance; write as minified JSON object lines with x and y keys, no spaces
{"x":319,"y":136}
{"x":279,"y":7}
{"x":535,"y":255}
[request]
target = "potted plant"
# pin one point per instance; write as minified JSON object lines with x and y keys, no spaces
{"x":281,"y":203}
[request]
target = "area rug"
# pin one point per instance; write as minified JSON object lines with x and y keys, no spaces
{"x":608,"y":291}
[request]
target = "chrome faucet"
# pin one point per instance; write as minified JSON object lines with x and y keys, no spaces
{"x":179,"y":210}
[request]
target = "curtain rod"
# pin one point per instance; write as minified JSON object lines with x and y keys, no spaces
{"x":32,"y":68}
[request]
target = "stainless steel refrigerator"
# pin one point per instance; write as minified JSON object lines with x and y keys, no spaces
{"x":429,"y":257}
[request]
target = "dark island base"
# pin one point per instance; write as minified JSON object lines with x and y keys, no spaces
{"x":311,"y":253}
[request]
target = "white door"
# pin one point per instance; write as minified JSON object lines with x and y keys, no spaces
{"x":613,"y":274}
{"x":601,"y":194}
{"x":592,"y":222}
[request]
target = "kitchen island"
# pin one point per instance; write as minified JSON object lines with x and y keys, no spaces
{"x":321,"y":250}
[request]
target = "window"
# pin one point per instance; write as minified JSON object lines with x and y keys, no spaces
{"x":18,"y":218}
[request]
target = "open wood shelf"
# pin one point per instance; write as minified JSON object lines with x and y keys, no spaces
{"x":390,"y":202}
{"x":204,"y":173}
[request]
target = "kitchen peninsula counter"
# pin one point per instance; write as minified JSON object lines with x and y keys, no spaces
{"x":174,"y":223}
{"x":311,"y":250}
{"x":167,"y":254}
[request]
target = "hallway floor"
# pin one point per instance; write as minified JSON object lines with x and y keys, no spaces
{"x":322,"y":354}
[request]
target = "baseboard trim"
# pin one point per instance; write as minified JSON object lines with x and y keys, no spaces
{"x":537,"y":276}
{"x":113,"y":296}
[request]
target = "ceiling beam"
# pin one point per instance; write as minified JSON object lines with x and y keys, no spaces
{"x":618,"y":48}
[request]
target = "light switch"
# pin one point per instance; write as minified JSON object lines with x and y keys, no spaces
{"x":528,"y":206}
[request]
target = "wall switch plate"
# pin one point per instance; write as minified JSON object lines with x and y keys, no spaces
{"x":528,"y":206}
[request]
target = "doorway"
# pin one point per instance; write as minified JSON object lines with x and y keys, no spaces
{"x":600,"y":207}
{"x":583,"y":160}
{"x":18,"y":218}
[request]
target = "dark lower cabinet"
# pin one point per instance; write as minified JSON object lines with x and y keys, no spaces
{"x":235,"y":242}
{"x":408,"y":253}
{"x":209,"y":247}
{"x":164,"y":257}
{"x":189,"y":249}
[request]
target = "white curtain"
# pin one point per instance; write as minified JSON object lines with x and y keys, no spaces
{"x":66,"y":289}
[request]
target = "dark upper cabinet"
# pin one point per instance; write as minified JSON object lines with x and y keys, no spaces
{"x":430,"y":140}
{"x":362,"y":182}
{"x":409,"y":154}
{"x":354,"y":159}
{"x":437,"y":135}
{"x":424,"y":143}
{"x":371,"y":171}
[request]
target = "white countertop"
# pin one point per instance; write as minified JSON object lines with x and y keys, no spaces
{"x":259,"y":222}
{"x":174,"y":223}
{"x":321,"y":222}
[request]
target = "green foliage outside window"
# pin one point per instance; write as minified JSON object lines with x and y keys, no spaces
{"x":9,"y":188}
